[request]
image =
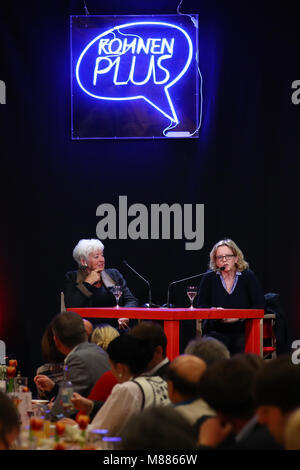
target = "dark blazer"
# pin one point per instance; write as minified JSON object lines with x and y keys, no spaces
{"x":78,"y":293}
{"x":85,"y":365}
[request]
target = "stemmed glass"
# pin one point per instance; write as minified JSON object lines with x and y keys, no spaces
{"x":191,"y":293}
{"x":117,"y":291}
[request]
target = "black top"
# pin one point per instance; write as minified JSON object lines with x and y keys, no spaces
{"x":78,"y":293}
{"x":248,"y":292}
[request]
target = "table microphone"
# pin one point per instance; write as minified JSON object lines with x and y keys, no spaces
{"x":186,"y":279}
{"x":149,"y":304}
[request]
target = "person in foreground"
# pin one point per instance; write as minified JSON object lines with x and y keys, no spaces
{"x":10,"y":423}
{"x":227,"y":386}
{"x":157,"y":429}
{"x":184,"y":376}
{"x":85,"y":361}
{"x":277,"y":395}
{"x":128,"y":357}
{"x":229,"y":284}
{"x":91,"y":285}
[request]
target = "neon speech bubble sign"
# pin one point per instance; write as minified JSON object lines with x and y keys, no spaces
{"x":139,"y":59}
{"x":135,"y":77}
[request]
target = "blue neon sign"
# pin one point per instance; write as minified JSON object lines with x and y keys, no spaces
{"x":149,"y":61}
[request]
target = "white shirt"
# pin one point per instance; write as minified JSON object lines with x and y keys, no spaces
{"x":124,"y":400}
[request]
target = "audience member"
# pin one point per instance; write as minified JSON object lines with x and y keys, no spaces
{"x":184,"y":375}
{"x":292,"y":431}
{"x":158,"y":365}
{"x":103,"y":334}
{"x":155,"y":335}
{"x":227,"y":386}
{"x":54,"y":366}
{"x":129,"y":356}
{"x":160,"y":428}
{"x":9,"y":422}
{"x":88,"y":326}
{"x":209,"y":349}
{"x":85,"y":361}
{"x":277,"y":394}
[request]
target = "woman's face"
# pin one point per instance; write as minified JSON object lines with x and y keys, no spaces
{"x":95,"y":261}
{"x":225,"y":257}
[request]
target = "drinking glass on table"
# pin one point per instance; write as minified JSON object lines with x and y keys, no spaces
{"x":117,"y":291}
{"x":191,"y":293}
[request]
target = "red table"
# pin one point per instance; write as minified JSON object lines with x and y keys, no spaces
{"x":172,"y":316}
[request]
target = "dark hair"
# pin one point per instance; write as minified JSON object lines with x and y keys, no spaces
{"x":278,"y":384}
{"x":227,"y":386}
{"x":152,"y":332}
{"x":181,"y":385}
{"x":132,"y":351}
{"x":68,"y":327}
{"x":156,"y":428}
{"x":9,"y":418}
{"x":49,"y":351}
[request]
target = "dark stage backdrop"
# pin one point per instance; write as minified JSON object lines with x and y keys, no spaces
{"x":244,"y":167}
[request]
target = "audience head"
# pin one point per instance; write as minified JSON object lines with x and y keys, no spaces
{"x":209,"y":349}
{"x":154,"y":334}
{"x":50,"y":352}
{"x":85,"y":248}
{"x":158,"y":428}
{"x":277,"y":394}
{"x":68,"y":331}
{"x":9,"y":422}
{"x":128,"y":356}
{"x":103,"y":335}
{"x":88,"y":327}
{"x":184,"y":374}
{"x":292,"y":431}
{"x":227,"y":386}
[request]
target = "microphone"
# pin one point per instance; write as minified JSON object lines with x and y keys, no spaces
{"x":149,"y":304}
{"x":182,"y":280}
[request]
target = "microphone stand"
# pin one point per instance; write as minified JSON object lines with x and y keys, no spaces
{"x":149,"y":304}
{"x":176,"y":282}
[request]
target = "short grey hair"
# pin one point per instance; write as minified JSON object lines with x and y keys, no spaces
{"x":85,"y":247}
{"x":209,"y":349}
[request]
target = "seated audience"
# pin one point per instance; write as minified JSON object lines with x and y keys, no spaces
{"x":227,"y":386}
{"x":86,"y":362}
{"x":103,"y":334}
{"x":292,"y":431}
{"x":155,"y":335}
{"x":128,"y":358}
{"x":91,"y":285}
{"x":9,"y":422}
{"x":160,"y":428}
{"x":157,"y":366}
{"x":54,"y":366}
{"x":209,"y":349}
{"x":184,"y":375}
{"x":277,"y":394}
{"x":88,"y":328}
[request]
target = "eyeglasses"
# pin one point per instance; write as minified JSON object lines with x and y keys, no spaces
{"x":226,"y":257}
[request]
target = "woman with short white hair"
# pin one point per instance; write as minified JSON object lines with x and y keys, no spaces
{"x":91,"y":284}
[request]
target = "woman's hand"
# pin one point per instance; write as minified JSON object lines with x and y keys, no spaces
{"x":82,"y":404}
{"x":93,"y":277}
{"x":123,"y":323}
{"x":44,"y":383}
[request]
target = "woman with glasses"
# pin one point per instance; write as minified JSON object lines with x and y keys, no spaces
{"x":228,"y":284}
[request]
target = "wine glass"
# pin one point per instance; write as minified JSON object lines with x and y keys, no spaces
{"x":191,"y":293}
{"x":117,"y":291}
